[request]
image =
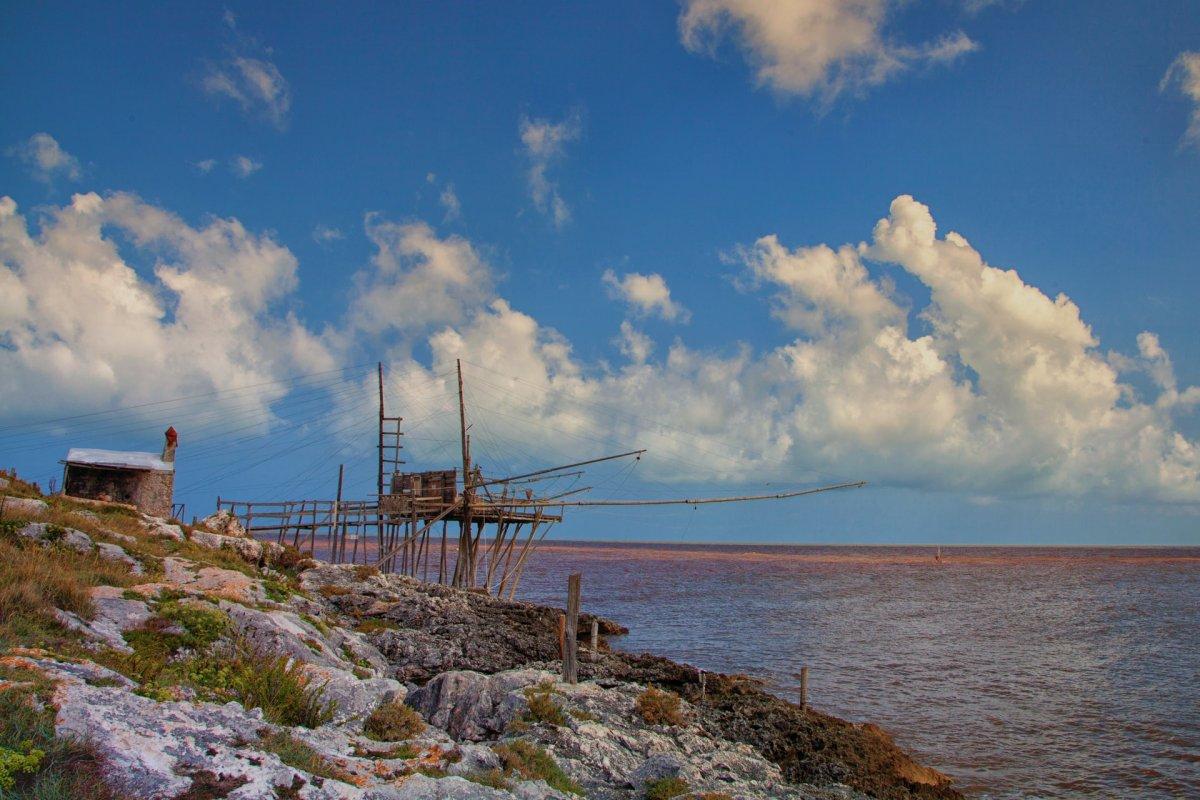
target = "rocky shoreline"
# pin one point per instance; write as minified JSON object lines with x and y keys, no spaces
{"x":175,"y":673}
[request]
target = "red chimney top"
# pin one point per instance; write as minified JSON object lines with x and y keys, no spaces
{"x":172,"y":437}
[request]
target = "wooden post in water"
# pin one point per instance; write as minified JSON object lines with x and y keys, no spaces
{"x":571,"y":656}
{"x":804,"y":688}
{"x":562,"y":635}
{"x":595,"y":641}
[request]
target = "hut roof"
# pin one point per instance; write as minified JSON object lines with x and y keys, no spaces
{"x":118,"y":459}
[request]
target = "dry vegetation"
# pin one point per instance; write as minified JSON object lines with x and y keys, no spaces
{"x":394,"y":722}
{"x":658,"y":707}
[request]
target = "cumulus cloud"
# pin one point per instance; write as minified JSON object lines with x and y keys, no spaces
{"x":45,"y":159}
{"x":545,"y":144}
{"x":205,"y":166}
{"x":813,"y":47}
{"x":646,"y":295}
{"x":1006,"y":393}
{"x":244,"y":166}
{"x":82,"y":328}
{"x":253,"y":82}
{"x":417,"y":279}
{"x":1184,"y":72}
{"x":992,"y":388}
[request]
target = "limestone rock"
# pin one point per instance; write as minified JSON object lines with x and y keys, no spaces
{"x":224,"y":523}
{"x":224,"y":583}
{"x":114,"y":552}
{"x":248,"y":549}
{"x":24,"y":506}
{"x":473,"y":706}
{"x":162,"y":528}
{"x":47,"y":534}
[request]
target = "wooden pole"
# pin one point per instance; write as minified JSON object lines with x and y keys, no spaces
{"x":464,"y":576}
{"x":335,"y":517}
{"x":804,"y":688}
{"x":595,"y":644}
{"x":442,"y":563}
{"x":571,"y":656}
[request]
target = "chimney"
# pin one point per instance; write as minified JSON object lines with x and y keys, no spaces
{"x":168,"y":453}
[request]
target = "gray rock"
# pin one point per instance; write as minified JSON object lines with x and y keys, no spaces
{"x":286,"y":633}
{"x":114,"y":615}
{"x":47,"y":533}
{"x":24,"y":506}
{"x":355,"y":698}
{"x":225,"y":583}
{"x":248,"y":549}
{"x":151,"y":749}
{"x":224,"y":523}
{"x":473,"y":706}
{"x":114,"y":552}
{"x":475,"y":758}
{"x":163,"y":529}
{"x":422,"y":787}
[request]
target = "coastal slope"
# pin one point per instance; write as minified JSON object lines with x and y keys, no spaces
{"x":143,"y":658}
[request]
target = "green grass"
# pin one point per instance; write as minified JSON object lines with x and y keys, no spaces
{"x":542,"y":707}
{"x":666,"y":788}
{"x":494,"y":778}
{"x":36,"y":765}
{"x":532,"y":763}
{"x":296,"y":753}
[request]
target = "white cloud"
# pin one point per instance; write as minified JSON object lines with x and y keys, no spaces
{"x":545,"y":144}
{"x":450,"y":203}
{"x":324,"y":234}
{"x":1007,"y":394}
{"x":81,"y":328}
{"x":46,"y":159}
{"x":1004,"y":392}
{"x":1185,"y":73}
{"x":244,"y":166}
{"x":256,"y":84}
{"x":813,"y":47}
{"x":647,"y":295}
{"x":205,"y":166}
{"x":417,"y":279}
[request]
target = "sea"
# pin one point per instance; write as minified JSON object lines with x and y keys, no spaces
{"x":1022,"y":672}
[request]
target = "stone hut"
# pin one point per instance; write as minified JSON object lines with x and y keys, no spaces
{"x":144,"y":480}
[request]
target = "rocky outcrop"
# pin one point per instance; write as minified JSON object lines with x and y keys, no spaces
{"x":437,"y":628}
{"x":472,"y":706}
{"x":481,"y":672}
{"x":216,"y":581}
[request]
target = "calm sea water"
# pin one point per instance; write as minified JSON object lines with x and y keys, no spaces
{"x":1022,"y":672}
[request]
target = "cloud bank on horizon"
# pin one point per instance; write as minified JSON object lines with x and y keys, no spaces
{"x":992,"y":388}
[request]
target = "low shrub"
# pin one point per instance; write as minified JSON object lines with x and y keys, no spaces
{"x":493,"y":777}
{"x":35,"y":764}
{"x":296,"y":753}
{"x":276,"y":684}
{"x":657,"y":707}
{"x":375,"y":624}
{"x":666,"y":788}
{"x":542,"y":707}
{"x":332,"y":590}
{"x":393,"y":722}
{"x":532,"y":763}
{"x":24,"y":760}
{"x":364,"y":571}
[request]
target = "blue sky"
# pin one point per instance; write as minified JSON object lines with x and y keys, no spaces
{"x":282,"y":190}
